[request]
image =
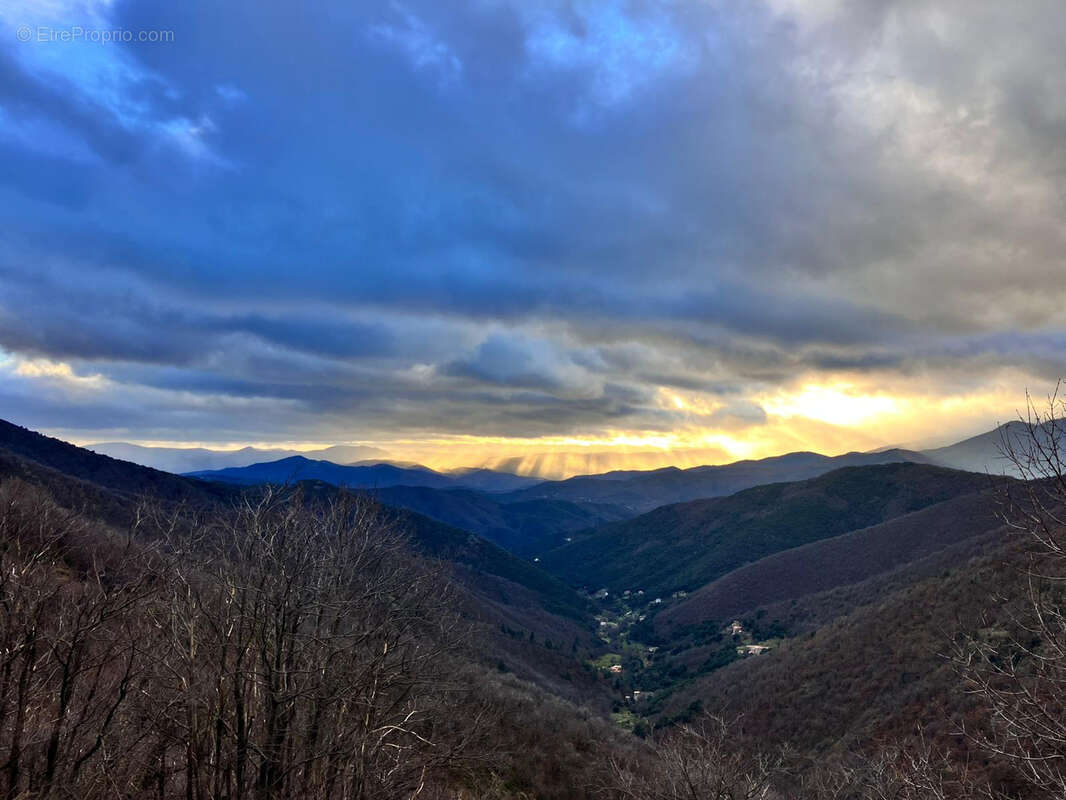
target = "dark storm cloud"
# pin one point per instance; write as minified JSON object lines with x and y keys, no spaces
{"x":525,"y":218}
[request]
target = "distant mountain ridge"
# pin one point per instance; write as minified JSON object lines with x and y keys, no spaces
{"x":534,"y":517}
{"x":642,"y":491}
{"x":362,"y":476}
{"x":181,"y":460}
{"x":629,"y":491}
{"x":113,"y":474}
{"x":635,"y":490}
{"x":199,"y":461}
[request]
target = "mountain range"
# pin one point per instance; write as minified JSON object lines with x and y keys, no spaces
{"x":830,"y":562}
{"x":193,"y":459}
{"x":630,"y":491}
{"x":363,"y":476}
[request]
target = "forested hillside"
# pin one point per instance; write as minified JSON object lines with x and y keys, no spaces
{"x":842,"y":560}
{"x":511,"y":592}
{"x":877,"y":671}
{"x":683,"y":547}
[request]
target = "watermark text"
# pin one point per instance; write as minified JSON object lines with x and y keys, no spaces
{"x":69,"y":34}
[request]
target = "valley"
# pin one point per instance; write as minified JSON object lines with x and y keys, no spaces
{"x":778,"y":596}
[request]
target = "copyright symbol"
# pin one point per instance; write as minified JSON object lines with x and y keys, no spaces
{"x":24,"y":33}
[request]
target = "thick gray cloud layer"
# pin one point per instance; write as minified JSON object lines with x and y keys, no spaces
{"x":334,"y":220}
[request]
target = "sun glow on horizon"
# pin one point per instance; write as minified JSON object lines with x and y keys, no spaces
{"x":836,"y":404}
{"x":831,"y":417}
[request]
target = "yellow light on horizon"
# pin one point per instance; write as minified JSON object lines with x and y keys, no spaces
{"x":837,"y":404}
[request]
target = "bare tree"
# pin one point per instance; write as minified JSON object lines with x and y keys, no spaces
{"x":286,"y":648}
{"x":305,"y":653}
{"x":1017,"y":664}
{"x":69,"y":654}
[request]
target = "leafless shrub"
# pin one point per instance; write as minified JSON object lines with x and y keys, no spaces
{"x":913,"y":770}
{"x":703,"y":760}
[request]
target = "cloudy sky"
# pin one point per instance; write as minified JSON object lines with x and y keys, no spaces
{"x":558,"y":235}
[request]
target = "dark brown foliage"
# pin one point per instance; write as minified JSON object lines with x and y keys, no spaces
{"x":280,"y":650}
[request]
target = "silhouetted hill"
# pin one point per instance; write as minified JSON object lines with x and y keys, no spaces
{"x":103,"y":471}
{"x":298,"y":468}
{"x":360,"y":476}
{"x":687,"y":545}
{"x":643,"y":491}
{"x":489,"y":480}
{"x":527,"y":528}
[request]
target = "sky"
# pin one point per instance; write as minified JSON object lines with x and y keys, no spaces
{"x":552,"y":236}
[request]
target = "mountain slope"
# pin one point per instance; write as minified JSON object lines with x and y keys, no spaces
{"x":103,"y":471}
{"x":873,"y":673}
{"x":110,"y":489}
{"x":986,"y":452}
{"x":687,"y":545}
{"x":527,"y":528}
{"x":485,"y":559}
{"x":826,"y":564}
{"x":642,"y":491}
